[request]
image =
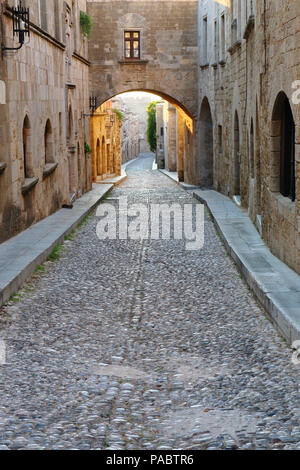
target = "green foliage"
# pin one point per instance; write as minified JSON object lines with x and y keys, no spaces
{"x":39,"y":269}
{"x":87,"y":148}
{"x":151,"y":131}
{"x":16,"y":298}
{"x":86,"y":24}
{"x":119,"y":114}
{"x":55,"y":253}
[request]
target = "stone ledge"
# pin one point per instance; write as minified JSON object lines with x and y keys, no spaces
{"x":275,"y":285}
{"x":29,"y":184}
{"x":49,"y":169}
{"x":3,"y":167}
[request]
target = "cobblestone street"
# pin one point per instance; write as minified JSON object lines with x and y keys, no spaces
{"x":144,"y":345}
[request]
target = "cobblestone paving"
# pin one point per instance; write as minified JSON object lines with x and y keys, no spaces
{"x":143,"y":345}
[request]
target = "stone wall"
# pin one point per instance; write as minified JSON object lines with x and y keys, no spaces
{"x":168,"y":61}
{"x":42,"y":129}
{"x":174,"y":130}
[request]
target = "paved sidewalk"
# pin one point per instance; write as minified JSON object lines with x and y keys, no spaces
{"x":274,"y":283}
{"x":20,"y":255}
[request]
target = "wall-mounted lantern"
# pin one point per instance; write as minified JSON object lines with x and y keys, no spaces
{"x":21,"y":26}
{"x":93,"y":104}
{"x":112,"y":118}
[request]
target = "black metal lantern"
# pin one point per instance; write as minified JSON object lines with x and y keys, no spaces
{"x":112,"y":118}
{"x":21,"y":26}
{"x":93,"y":104}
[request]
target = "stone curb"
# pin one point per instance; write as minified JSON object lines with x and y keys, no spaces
{"x":20,"y":255}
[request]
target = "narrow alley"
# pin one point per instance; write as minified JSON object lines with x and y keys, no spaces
{"x":144,"y":345}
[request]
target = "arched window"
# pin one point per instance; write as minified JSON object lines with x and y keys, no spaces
{"x":283,"y":147}
{"x":49,"y":144}
{"x":206,"y":144}
{"x":27,"y":148}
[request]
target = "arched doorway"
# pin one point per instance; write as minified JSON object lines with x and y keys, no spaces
{"x":79,"y":168}
{"x":206,"y":144}
{"x":283,"y":148}
{"x":49,"y":143}
{"x":27,"y":149}
{"x":236,"y":157}
{"x":70,"y":126}
{"x":98,"y":159}
{"x":104,"y":157}
{"x":251,"y":151}
{"x":181,"y":129}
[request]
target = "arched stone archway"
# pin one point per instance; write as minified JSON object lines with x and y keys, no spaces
{"x":27,"y":151}
{"x":168,"y":57}
{"x":166,"y":64}
{"x":283,"y":148}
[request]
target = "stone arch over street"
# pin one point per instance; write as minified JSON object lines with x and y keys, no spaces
{"x":102,"y":98}
{"x":166,"y":64}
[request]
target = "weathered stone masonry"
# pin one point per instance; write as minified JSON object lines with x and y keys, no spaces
{"x":168,"y":60}
{"x":248,"y":62}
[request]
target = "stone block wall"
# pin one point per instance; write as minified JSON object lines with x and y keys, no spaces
{"x":248,"y":56}
{"x":42,"y":129}
{"x":168,"y":61}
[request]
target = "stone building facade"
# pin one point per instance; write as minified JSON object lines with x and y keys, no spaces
{"x":164,"y":62}
{"x":249,"y":115}
{"x":230,"y":70}
{"x":106,"y":142}
{"x":173,"y":126}
{"x":43,"y":164}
